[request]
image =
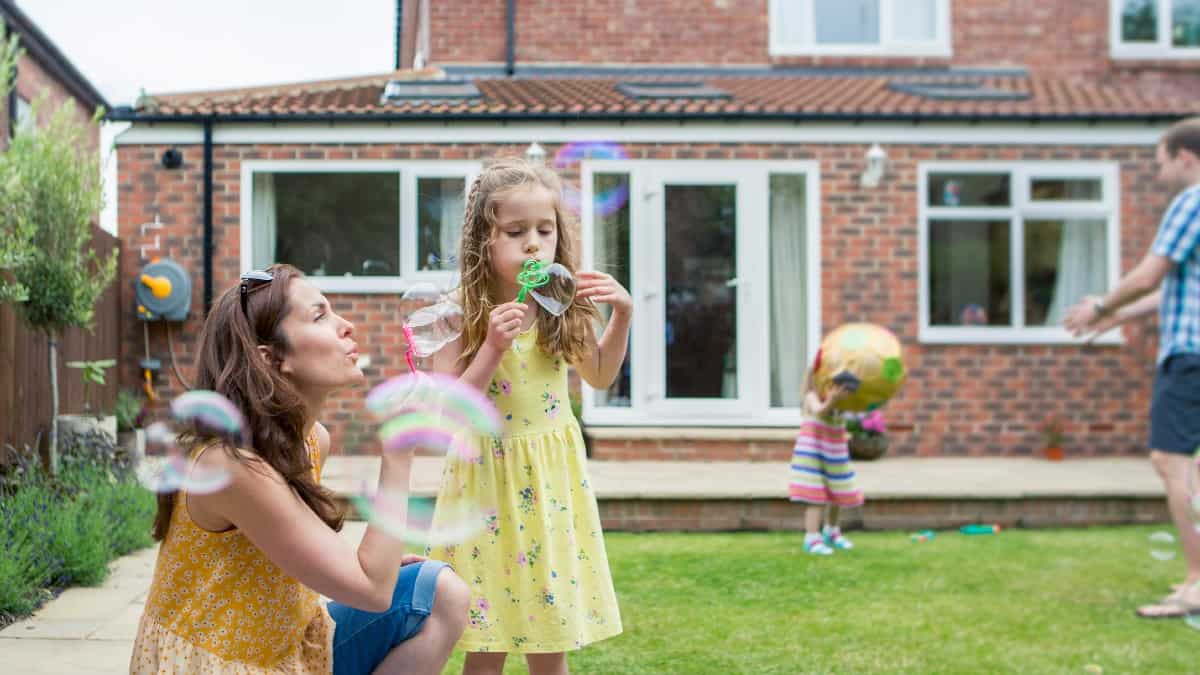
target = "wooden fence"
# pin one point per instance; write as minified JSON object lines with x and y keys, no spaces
{"x":25,"y":406}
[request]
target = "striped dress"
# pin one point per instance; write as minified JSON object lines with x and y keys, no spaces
{"x":821,"y":470}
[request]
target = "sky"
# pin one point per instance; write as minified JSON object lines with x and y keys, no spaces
{"x":123,"y":46}
{"x":161,"y":46}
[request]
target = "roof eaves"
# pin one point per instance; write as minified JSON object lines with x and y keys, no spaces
{"x":127,"y":114}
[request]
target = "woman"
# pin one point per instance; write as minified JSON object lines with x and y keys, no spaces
{"x":237,"y":583}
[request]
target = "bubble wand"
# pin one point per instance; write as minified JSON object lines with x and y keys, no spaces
{"x":408,"y":354}
{"x":532,"y":275}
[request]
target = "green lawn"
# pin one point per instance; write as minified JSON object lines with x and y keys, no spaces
{"x":1041,"y":601}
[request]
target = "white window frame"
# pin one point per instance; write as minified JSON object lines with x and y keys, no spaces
{"x":23,"y":115}
{"x":407,"y":173}
{"x":888,"y":46}
{"x":1021,"y":209}
{"x":1160,"y":49}
{"x":754,"y":350}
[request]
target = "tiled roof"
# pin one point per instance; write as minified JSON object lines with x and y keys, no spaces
{"x":869,"y":95}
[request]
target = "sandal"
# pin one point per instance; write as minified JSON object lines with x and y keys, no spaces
{"x":1171,"y":607}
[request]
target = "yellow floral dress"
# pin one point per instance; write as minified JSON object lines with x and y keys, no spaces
{"x":538,"y":571}
{"x":219,"y":605}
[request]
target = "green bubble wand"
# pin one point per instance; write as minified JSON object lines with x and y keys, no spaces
{"x":532,"y":275}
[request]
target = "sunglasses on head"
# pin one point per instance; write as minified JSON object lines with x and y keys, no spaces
{"x":252,"y":281}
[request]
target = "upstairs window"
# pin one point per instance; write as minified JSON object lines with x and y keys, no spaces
{"x":860,"y":27}
{"x":1156,"y":29}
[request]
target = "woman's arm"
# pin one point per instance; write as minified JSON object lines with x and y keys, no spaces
{"x":259,"y":502}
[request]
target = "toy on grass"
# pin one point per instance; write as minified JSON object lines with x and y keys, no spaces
{"x":866,"y":359}
{"x":979,"y":528}
{"x":922,"y":536}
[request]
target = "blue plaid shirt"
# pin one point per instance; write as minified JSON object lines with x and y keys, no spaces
{"x":1179,"y":313}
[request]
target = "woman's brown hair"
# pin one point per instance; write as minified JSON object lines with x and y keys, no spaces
{"x":565,"y":335}
{"x":230,"y":364}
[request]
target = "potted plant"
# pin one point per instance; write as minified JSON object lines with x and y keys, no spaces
{"x":92,"y":373}
{"x":130,"y":411}
{"x":868,"y":435}
{"x":1053,"y":431}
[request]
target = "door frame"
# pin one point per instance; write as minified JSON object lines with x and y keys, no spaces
{"x":647,"y":241}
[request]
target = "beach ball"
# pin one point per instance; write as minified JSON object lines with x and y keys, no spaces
{"x":864,"y":354}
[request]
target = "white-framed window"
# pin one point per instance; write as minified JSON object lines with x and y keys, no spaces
{"x":1006,"y":248}
{"x":1155,"y":29}
{"x":860,"y":27}
{"x":23,"y":115}
{"x":361,"y":226}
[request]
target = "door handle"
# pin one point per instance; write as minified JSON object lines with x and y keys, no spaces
{"x":731,"y":283}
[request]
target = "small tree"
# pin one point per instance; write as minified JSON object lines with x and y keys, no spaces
{"x":16,"y":232}
{"x":52,"y":173}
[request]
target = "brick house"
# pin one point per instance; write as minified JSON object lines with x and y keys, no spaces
{"x":42,"y":70}
{"x":755,"y":172}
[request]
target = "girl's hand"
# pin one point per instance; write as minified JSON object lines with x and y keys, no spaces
{"x":504,"y":324}
{"x":837,"y":392}
{"x":602,"y":288}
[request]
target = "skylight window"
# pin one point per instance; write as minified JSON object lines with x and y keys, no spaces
{"x":670,"y":90}
{"x":957,"y":91}
{"x":397,"y":91}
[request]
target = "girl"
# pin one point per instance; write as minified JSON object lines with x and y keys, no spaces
{"x":238,"y":576}
{"x":539,"y":577}
{"x":821,"y":471}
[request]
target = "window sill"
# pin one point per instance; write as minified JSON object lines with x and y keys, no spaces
{"x":1150,"y":55}
{"x":863,"y":51}
{"x":963,"y":335}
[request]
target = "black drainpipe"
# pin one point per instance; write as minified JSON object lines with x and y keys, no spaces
{"x":208,"y":218}
{"x":399,"y":30}
{"x":511,"y":43}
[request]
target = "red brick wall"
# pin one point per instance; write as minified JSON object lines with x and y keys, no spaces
{"x":33,"y":81}
{"x":959,"y":400}
{"x":1063,"y":36}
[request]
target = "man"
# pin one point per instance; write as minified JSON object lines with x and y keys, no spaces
{"x":1168,"y":279}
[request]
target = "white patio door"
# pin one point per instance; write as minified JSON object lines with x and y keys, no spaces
{"x":698,"y":299}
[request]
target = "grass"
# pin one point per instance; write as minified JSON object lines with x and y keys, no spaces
{"x":1027,"y":601}
{"x":64,"y":532}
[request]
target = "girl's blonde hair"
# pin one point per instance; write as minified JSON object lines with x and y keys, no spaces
{"x":565,"y":335}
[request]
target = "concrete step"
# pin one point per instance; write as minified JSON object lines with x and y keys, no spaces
{"x":902,"y":493}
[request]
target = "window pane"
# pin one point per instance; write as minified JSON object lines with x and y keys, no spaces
{"x":440,"y":204}
{"x":1185,"y":23}
{"x":23,"y":115}
{"x":1065,"y":190}
{"x":1064,"y":261}
{"x":330,"y":224}
{"x":969,"y":275}
{"x":788,"y":299}
{"x":969,"y":189}
{"x":846,"y":21}
{"x":701,"y":273}
{"x":610,"y":204}
{"x":916,"y":20}
{"x":1139,"y":21}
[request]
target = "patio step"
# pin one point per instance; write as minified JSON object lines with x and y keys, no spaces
{"x":902,"y":493}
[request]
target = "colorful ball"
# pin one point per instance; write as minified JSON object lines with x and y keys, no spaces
{"x":870,"y":353}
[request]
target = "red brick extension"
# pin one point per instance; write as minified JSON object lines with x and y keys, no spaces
{"x":959,"y":400}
